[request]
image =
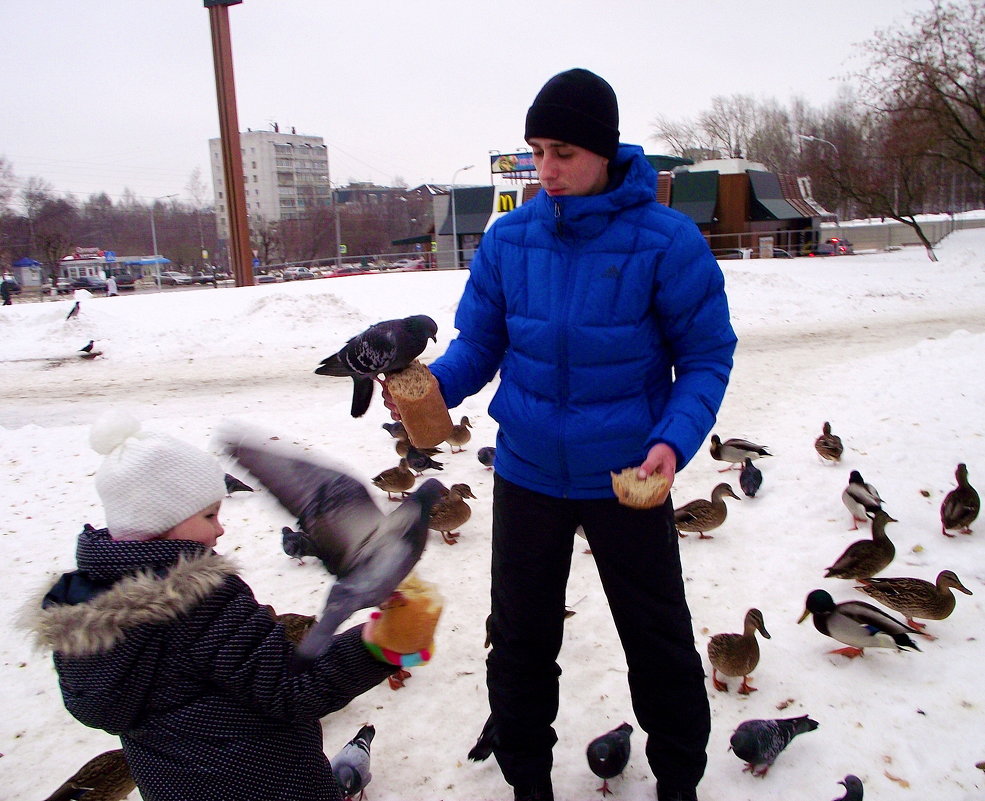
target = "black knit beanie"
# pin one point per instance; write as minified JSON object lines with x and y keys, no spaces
{"x":577,"y":107}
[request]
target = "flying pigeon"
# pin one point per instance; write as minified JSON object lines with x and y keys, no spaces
{"x":750,"y":479}
{"x":853,"y":788}
{"x":608,"y":755}
{"x":382,"y":348}
{"x":233,"y":484}
{"x":370,"y":553}
{"x":487,"y":456}
{"x":73,"y":312}
{"x":486,"y":743}
{"x":351,"y":764}
{"x":760,"y":742}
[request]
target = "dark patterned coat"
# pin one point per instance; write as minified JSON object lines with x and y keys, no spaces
{"x":163,"y":644}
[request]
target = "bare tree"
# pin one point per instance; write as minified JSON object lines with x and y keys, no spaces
{"x":728,"y":125}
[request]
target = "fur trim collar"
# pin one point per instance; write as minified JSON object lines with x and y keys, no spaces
{"x":96,"y":626}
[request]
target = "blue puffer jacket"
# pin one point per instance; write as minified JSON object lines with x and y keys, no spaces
{"x":607,"y":318}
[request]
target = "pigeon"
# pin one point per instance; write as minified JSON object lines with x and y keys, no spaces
{"x":73,"y":312}
{"x":351,"y":764}
{"x":421,"y":461}
{"x":403,"y":447}
{"x":370,"y":553}
{"x":750,"y":479}
{"x":487,"y":456}
{"x":486,"y":743}
{"x":382,"y":348}
{"x":853,"y":788}
{"x":106,"y":777}
{"x":760,"y":742}
{"x":861,"y":499}
{"x":233,"y":484}
{"x":395,"y":429}
{"x":735,"y":451}
{"x":87,"y":348}
{"x":608,"y":755}
{"x":297,"y":544}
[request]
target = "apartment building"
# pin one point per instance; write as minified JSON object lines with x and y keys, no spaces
{"x":284,"y":175}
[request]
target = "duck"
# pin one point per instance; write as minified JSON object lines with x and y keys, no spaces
{"x":857,"y":624}
{"x":701,"y":515}
{"x":735,"y":451}
{"x":915,"y":597}
{"x":106,"y":777}
{"x":460,"y":435}
{"x":396,"y":479}
{"x":403,"y":448}
{"x":828,"y":445}
{"x":737,"y":654}
{"x":450,"y":513}
{"x":861,"y":499}
{"x":961,"y":505}
{"x":295,"y":625}
{"x":864,"y":558}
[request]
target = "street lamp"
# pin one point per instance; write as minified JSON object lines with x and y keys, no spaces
{"x":153,"y":236}
{"x":454,"y":218}
{"x":810,"y":138}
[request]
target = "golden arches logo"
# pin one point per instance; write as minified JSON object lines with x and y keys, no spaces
{"x":507,"y":201}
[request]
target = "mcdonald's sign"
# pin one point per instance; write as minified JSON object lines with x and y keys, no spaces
{"x":506,"y":202}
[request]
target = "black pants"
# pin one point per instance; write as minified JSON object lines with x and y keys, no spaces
{"x":638,"y":561}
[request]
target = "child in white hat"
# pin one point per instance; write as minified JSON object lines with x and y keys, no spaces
{"x":156,"y":639}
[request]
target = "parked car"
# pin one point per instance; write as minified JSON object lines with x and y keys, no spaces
{"x":12,"y":286}
{"x":203,"y":278}
{"x":93,"y":283}
{"x":724,"y":254}
{"x":264,"y":278}
{"x":407,"y":264}
{"x":780,"y":253}
{"x":832,"y":247}
{"x":297,"y":274}
{"x":124,"y":281}
{"x":174,"y":278}
{"x":63,"y":286}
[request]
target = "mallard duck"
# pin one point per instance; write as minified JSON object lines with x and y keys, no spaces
{"x":295,"y":625}
{"x":702,"y":515}
{"x":865,"y":558}
{"x":915,"y":597}
{"x":403,"y":448}
{"x":735,"y":451}
{"x":462,"y":489}
{"x":961,"y":505}
{"x":861,"y":499}
{"x":460,"y":435}
{"x":396,"y":479}
{"x":737,"y":654}
{"x":828,"y":445}
{"x":106,"y":777}
{"x":449,"y":513}
{"x":857,"y":624}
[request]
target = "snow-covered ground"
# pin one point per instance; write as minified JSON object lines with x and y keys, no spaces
{"x":888,"y":347}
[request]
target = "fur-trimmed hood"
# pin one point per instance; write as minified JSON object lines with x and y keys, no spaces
{"x":122,"y":585}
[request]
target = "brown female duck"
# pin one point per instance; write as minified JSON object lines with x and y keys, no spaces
{"x":451,"y":512}
{"x":701,"y":515}
{"x":396,"y":479}
{"x":828,"y":445}
{"x":915,"y":597}
{"x":961,"y":505}
{"x":737,"y":654}
{"x":460,"y":435}
{"x":865,"y":558}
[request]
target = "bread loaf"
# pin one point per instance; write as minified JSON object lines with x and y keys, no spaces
{"x":639,"y":494}
{"x":409,"y":617}
{"x":418,"y":399}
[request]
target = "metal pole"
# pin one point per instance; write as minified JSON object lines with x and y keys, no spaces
{"x":240,"y":254}
{"x":454,"y":215}
{"x":335,"y":211}
{"x":153,"y":237}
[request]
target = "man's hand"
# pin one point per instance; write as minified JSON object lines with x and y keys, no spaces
{"x":661,"y":460}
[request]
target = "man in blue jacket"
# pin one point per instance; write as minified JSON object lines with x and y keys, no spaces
{"x":605,"y":315}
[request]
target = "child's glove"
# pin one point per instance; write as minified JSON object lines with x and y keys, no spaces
{"x":402,"y":632}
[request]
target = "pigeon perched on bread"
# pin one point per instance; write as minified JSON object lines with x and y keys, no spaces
{"x":382,"y":348}
{"x":370,"y":553}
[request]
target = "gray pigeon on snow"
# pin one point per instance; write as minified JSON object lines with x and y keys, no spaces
{"x":608,"y":755}
{"x":297,"y":544}
{"x":382,"y":348}
{"x":750,"y":479}
{"x":369,"y":553}
{"x":487,"y":456}
{"x":351,"y":764}
{"x":853,"y":788}
{"x":760,"y":742}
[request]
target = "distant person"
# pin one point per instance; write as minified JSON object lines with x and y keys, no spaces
{"x":605,"y":316}
{"x":111,"y":286}
{"x":158,"y":640}
{"x":5,"y":292}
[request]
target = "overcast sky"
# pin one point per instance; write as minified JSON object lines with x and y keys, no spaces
{"x":114,"y":94}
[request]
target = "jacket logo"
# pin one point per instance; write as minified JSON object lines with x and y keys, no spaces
{"x":611,"y":272}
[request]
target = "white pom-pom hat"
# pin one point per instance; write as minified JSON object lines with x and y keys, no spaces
{"x":150,"y":482}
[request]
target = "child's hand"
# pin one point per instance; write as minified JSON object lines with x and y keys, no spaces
{"x":402,"y":632}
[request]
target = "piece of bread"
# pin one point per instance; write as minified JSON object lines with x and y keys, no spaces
{"x":418,"y":399}
{"x":631,"y":491}
{"x":409,"y":617}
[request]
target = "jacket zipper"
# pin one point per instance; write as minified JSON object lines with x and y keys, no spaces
{"x":562,"y":350}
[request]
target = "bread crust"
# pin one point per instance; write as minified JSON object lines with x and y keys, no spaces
{"x":639,"y":494}
{"x":416,"y":394}
{"x":409,"y":617}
